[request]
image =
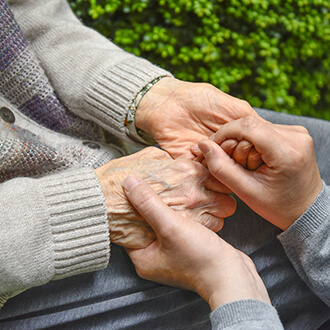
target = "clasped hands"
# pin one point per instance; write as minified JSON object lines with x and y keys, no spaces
{"x":272,"y":168}
{"x":178,"y":115}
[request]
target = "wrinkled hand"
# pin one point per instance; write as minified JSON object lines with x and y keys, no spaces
{"x":191,"y":256}
{"x":179,"y":114}
{"x":288,"y":182}
{"x":184,"y":185}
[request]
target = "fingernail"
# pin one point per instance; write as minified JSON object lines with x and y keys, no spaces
{"x":212,"y":137}
{"x":130,"y":182}
{"x":205,"y":148}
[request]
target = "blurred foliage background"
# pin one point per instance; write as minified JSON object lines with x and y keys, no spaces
{"x":275,"y":53}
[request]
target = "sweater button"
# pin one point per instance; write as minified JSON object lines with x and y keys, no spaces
{"x":92,"y":145}
{"x":7,"y":115}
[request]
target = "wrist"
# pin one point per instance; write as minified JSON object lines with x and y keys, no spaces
{"x":156,"y":95}
{"x":133,"y":122}
{"x":118,"y":207}
{"x":230,"y":281}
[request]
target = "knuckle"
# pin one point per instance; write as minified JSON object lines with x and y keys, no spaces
{"x":195,"y":197}
{"x":300,"y":153}
{"x":250,"y":122}
{"x":309,"y":142}
{"x":193,"y":169}
{"x":302,"y":129}
{"x":205,"y":85}
{"x":246,"y":105}
{"x":296,"y":157}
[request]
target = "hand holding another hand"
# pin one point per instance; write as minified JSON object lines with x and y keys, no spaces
{"x":287,"y":182}
{"x":188,"y":255}
{"x":178,"y":114}
{"x":184,"y":185}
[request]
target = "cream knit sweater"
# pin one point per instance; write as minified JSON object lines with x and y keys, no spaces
{"x":64,"y":95}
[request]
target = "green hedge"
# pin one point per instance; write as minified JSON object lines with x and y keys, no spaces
{"x":275,"y":54}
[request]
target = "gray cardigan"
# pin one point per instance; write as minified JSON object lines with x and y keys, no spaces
{"x":53,"y":221}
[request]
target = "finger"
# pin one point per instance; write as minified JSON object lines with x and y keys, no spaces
{"x":226,"y":170}
{"x":228,"y":146}
{"x":263,"y":136}
{"x":211,"y":222}
{"x":213,"y":184}
{"x":204,"y":162}
{"x":241,"y":152}
{"x":148,"y":204}
{"x":222,"y":206}
{"x":254,"y":160}
{"x":131,"y":234}
{"x":195,"y":151}
{"x":199,"y":159}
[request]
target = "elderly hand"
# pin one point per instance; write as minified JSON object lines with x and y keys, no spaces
{"x":188,"y":255}
{"x":184,"y":185}
{"x":288,"y":182}
{"x":179,"y":114}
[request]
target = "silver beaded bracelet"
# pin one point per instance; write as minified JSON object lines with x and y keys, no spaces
{"x":134,"y":132}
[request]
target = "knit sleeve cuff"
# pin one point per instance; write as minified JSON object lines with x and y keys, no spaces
{"x":115,"y":88}
{"x":3,"y":299}
{"x":78,"y":222}
{"x":310,"y":221}
{"x":245,"y":314}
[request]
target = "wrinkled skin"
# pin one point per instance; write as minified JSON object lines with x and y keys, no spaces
{"x":181,"y":184}
{"x":189,"y":255}
{"x":179,"y":114}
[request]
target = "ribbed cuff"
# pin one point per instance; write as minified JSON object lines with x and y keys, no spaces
{"x":78,"y":222}
{"x":3,"y":299}
{"x":240,"y":314}
{"x":312,"y":219}
{"x":115,"y":89}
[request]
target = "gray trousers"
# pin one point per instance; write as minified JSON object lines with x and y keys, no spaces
{"x":116,"y":298}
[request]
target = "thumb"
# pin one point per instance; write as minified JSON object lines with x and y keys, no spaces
{"x":227,"y":170}
{"x":148,"y":204}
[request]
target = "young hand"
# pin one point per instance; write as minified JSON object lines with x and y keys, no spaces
{"x":188,"y":255}
{"x":286,"y":184}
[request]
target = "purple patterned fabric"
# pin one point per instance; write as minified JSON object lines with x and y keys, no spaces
{"x":24,"y":84}
{"x":12,"y":41}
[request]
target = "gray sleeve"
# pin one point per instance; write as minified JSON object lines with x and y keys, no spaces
{"x":307,"y":245}
{"x":244,"y":315}
{"x":93,"y":77}
{"x":55,"y":227}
